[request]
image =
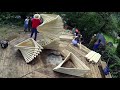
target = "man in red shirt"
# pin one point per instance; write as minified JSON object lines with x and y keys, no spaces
{"x":35,"y":23}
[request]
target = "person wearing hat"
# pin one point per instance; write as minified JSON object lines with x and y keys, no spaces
{"x":36,"y":21}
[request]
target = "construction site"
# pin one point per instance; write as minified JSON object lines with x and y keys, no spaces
{"x":51,"y":56}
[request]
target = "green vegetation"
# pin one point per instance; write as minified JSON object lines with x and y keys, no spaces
{"x":114,"y":61}
{"x":109,"y":38}
{"x":118,"y":49}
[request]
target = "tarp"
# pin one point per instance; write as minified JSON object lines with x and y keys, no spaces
{"x":102,"y":38}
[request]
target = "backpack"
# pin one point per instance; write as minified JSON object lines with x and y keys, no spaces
{"x":4,"y":44}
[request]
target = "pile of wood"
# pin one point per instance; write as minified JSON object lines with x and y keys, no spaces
{"x":29,"y":49}
{"x":93,"y":56}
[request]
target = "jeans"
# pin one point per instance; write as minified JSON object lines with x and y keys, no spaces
{"x":34,"y":30}
{"x":25,"y":27}
{"x":95,"y":47}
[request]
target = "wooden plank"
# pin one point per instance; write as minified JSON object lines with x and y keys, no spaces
{"x":64,"y":52}
{"x":26,"y":57}
{"x":79,"y":69}
{"x":91,"y":55}
{"x":87,"y":50}
{"x":95,"y":58}
{"x":66,"y":37}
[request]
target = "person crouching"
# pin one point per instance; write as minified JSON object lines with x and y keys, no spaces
{"x":75,"y":42}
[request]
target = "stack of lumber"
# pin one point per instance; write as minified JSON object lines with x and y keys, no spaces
{"x":75,"y":66}
{"x":93,"y":56}
{"x":29,"y":49}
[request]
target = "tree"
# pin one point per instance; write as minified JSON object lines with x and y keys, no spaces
{"x":118,"y":49}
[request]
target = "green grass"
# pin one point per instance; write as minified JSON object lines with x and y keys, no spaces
{"x":109,"y":38}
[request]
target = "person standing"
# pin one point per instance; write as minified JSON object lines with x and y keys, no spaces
{"x":96,"y":45}
{"x":76,"y":32}
{"x":30,"y":24}
{"x":92,"y":41}
{"x":26,"y":24}
{"x":36,"y":21}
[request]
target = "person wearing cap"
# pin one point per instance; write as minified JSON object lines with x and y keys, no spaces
{"x":36,"y":21}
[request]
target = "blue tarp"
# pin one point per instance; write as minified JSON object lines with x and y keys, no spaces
{"x":102,"y":38}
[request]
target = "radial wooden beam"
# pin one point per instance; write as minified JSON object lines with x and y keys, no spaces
{"x":66,"y":37}
{"x":29,"y":49}
{"x":78,"y":69}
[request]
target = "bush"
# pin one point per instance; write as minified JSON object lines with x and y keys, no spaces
{"x":118,"y":49}
{"x":114,"y":61}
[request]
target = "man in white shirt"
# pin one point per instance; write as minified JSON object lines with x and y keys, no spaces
{"x":26,"y":24}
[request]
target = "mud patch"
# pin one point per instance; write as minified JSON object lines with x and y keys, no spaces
{"x":53,"y":59}
{"x":48,"y":57}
